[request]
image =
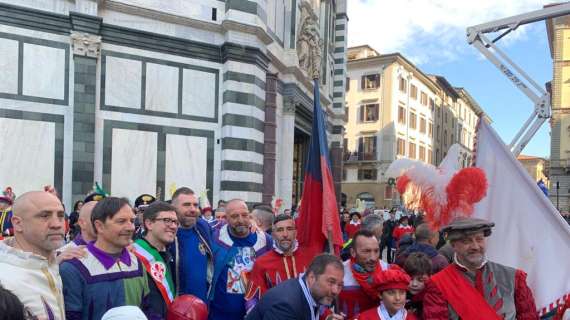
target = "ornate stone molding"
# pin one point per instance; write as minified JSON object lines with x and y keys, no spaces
{"x":85,"y":44}
{"x":289,"y":107}
{"x":309,"y":44}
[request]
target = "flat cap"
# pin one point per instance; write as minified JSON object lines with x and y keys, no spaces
{"x":463,"y":226}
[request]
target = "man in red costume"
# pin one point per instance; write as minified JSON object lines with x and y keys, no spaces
{"x":473,"y":288}
{"x":286,"y":261}
{"x":358,"y":293}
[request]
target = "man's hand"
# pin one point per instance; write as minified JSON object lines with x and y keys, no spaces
{"x":70,"y":253}
{"x":336,"y":316}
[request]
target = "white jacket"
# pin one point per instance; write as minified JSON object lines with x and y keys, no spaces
{"x":36,"y":282}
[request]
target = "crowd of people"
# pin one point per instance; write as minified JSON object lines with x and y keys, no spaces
{"x":178,"y":260}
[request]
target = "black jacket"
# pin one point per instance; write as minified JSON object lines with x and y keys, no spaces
{"x":283,"y":302}
{"x":389,"y":226}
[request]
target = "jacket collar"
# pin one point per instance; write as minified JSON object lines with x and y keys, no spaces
{"x":106,"y":259}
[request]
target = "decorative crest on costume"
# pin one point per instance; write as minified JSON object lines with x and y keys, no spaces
{"x":443,"y":192}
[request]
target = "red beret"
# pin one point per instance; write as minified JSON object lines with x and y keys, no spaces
{"x":391,"y":279}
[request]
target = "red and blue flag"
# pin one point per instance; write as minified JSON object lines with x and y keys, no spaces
{"x":319,"y":217}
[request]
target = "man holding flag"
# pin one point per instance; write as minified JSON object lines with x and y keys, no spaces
{"x":160,"y":224}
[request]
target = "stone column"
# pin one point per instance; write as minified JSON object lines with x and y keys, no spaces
{"x":86,"y":53}
{"x":270,"y":138}
{"x":287,"y":149}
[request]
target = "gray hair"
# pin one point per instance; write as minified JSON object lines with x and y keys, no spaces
{"x":371,"y":221}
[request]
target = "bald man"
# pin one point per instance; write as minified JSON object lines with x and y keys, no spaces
{"x":27,"y":261}
{"x":236,"y":247}
{"x":86,"y":234}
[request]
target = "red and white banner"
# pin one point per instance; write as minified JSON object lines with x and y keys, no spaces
{"x":529,"y":232}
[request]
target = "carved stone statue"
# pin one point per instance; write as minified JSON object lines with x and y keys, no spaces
{"x":309,"y":44}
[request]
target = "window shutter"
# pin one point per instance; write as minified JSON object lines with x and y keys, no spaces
{"x":363,"y":83}
{"x":361,"y":113}
{"x":374,"y":146}
{"x":376,"y":111}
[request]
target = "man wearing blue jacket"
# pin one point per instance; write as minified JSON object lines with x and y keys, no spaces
{"x":192,"y":249}
{"x":236,"y":246}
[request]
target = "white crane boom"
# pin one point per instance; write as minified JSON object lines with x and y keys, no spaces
{"x":536,"y":93}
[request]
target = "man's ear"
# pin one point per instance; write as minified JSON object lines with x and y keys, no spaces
{"x":352,"y":252}
{"x":17,"y":223}
{"x":98,"y":225}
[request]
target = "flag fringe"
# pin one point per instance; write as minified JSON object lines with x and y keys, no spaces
{"x":554,"y":305}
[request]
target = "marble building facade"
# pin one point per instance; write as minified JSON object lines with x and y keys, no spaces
{"x":145,"y":96}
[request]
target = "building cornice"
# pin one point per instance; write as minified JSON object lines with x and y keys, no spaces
{"x":386,"y":59}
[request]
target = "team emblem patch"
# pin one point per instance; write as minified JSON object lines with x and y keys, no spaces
{"x":158,"y":271}
{"x":202,"y":249}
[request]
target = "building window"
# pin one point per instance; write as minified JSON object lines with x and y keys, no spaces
{"x":388,"y":192}
{"x":403,"y":85}
{"x":422,"y":153}
{"x":430,"y":156}
{"x":346,"y":114}
{"x":436,"y":154}
{"x":432,"y":104}
{"x":401,"y":115}
{"x":414,"y":91}
{"x":413,"y":120}
{"x":344,"y":174}
{"x":370,"y":82}
{"x":401,"y":147}
{"x":367,"y":174}
{"x":347,"y":85}
{"x":422,"y":125}
{"x":412,"y":151}
{"x":430,"y":130}
{"x":437,"y":133}
{"x":369,"y":112}
{"x":424,"y":99}
{"x":445,"y":139}
{"x":367,"y":148}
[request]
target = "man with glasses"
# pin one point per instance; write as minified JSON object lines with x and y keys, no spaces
{"x":282,"y":263}
{"x":160,"y":224}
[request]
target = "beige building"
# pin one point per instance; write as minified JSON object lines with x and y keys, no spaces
{"x":558,"y":30}
{"x":536,"y":167}
{"x":389,"y":111}
{"x":394,"y":110}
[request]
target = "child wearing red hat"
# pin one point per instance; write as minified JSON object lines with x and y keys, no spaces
{"x":392,"y":285}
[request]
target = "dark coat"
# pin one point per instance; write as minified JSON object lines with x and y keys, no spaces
{"x":283,"y":302}
{"x":389,"y":226}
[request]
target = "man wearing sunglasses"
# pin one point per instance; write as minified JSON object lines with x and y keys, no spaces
{"x":160,"y":224}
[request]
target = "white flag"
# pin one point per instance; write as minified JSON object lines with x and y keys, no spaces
{"x":529,"y":233}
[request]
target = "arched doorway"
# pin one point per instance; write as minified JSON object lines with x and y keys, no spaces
{"x":367,"y":198}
